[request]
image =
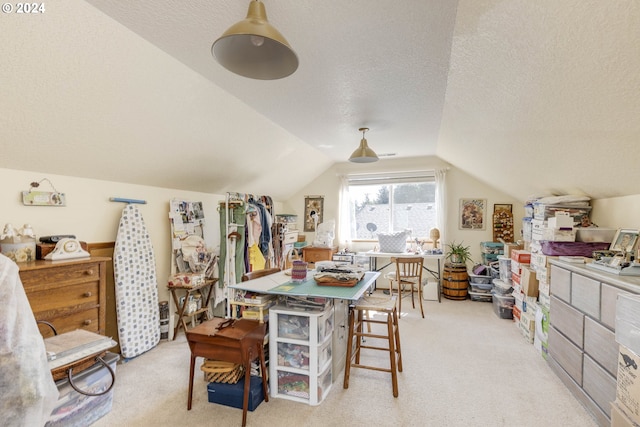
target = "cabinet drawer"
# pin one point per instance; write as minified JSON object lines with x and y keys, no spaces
{"x":585,"y":295}
{"x":599,"y":385}
{"x":561,"y":283}
{"x":600,"y":344}
{"x":72,"y":299}
{"x":290,"y":237}
{"x":608,"y":304}
{"x":566,"y":354}
{"x":567,"y":320}
{"x":87,"y":319}
{"x":61,"y":275}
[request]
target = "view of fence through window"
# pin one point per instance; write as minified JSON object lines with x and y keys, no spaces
{"x":393,"y":207}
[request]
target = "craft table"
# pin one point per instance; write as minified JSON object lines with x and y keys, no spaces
{"x":241,"y":342}
{"x":281,"y":284}
{"x":437,"y":274}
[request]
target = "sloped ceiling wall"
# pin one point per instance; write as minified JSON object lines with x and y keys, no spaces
{"x":536,"y":98}
{"x":544,"y":97}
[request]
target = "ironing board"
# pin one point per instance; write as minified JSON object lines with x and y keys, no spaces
{"x":134,"y":270}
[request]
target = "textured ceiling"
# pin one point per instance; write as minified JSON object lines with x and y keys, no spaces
{"x":531,"y":97}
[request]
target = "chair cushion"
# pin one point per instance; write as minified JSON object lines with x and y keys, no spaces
{"x":393,"y":242}
{"x":378,"y":303}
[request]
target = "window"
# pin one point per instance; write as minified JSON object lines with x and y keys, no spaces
{"x":388,"y":204}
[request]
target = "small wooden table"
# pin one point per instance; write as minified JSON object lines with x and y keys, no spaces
{"x":241,"y":342}
{"x":203,"y":311}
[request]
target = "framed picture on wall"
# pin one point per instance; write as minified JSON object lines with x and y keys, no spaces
{"x":313,"y":212}
{"x":472,"y":215}
{"x":502,"y":207}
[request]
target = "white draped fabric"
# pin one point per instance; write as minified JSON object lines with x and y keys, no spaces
{"x":441,"y":203}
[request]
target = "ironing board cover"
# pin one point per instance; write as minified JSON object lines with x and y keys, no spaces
{"x":134,"y":270}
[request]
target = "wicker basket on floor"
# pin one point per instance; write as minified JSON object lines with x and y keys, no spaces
{"x":217,"y":371}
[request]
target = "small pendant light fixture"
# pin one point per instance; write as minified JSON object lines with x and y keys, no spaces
{"x":363,"y":153}
{"x":253,"y":48}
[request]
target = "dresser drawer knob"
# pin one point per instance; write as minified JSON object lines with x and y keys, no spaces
{"x":89,"y":272}
{"x":87,"y":294}
{"x":87,"y":322}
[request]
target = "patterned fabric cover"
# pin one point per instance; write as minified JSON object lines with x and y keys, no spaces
{"x":136,"y":286}
{"x":393,"y":242}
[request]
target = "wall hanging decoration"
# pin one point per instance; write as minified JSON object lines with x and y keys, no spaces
{"x":313,"y":212}
{"x":472,"y":214}
{"x":43,"y":198}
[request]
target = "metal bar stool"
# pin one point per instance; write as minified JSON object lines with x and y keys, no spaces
{"x":384,"y":305}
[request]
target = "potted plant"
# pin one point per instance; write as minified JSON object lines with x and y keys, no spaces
{"x":457,"y":253}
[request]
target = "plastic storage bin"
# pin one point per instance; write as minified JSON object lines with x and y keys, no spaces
{"x":501,"y":287}
{"x":481,"y":287}
{"x":504,"y":266}
{"x":480,"y":296}
{"x":503,"y":305}
{"x":477,"y":279}
{"x":78,"y":410}
{"x":233,"y":394}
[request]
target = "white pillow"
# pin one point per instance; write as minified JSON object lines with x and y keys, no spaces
{"x":393,"y":242}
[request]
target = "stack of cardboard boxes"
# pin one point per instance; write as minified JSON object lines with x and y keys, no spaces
{"x":525,"y":292}
{"x":545,"y":224}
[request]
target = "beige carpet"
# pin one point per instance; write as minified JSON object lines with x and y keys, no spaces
{"x":463,"y":366}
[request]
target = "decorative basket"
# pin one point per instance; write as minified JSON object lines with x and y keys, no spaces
{"x":216,"y":371}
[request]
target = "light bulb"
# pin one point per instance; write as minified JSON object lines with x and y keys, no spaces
{"x":257,"y":41}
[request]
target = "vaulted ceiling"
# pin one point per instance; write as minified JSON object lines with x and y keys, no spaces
{"x":535,"y":98}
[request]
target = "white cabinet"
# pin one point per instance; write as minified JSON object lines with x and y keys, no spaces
{"x":300,"y":345}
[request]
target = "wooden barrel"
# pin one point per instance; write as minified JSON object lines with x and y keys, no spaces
{"x":455,"y":281}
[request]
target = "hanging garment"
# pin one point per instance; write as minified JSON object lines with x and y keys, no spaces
{"x":134,"y":269}
{"x":28,"y":393}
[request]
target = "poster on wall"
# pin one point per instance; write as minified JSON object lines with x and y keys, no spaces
{"x":313,"y":212}
{"x":472,"y":214}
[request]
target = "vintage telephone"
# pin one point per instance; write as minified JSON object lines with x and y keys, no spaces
{"x":67,"y":248}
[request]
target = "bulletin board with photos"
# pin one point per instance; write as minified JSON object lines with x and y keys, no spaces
{"x":190,"y":254}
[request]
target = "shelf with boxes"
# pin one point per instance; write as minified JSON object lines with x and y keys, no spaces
{"x":300,"y":342}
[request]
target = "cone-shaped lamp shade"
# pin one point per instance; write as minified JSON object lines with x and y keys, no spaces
{"x":254,"y":48}
{"x":363,"y":153}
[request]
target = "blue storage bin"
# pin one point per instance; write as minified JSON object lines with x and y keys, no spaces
{"x":232,"y":394}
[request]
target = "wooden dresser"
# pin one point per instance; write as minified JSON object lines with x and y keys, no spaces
{"x":69,"y":294}
{"x":313,"y":254}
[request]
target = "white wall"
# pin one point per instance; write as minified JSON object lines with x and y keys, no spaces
{"x":616,"y":212}
{"x":90,"y":215}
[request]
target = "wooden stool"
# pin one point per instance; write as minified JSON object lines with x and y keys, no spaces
{"x":387,"y":306}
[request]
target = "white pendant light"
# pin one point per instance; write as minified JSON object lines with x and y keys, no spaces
{"x":253,"y":48}
{"x":363,"y":153}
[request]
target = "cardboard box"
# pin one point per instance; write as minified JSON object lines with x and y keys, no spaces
{"x":515,"y":279}
{"x":527,"y":325}
{"x":561,"y":220}
{"x":619,"y":418}
{"x":521,"y":256}
{"x":529,"y":282}
{"x":517,"y":314}
{"x":628,"y":384}
{"x":544,"y":299}
{"x":510,"y":247}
